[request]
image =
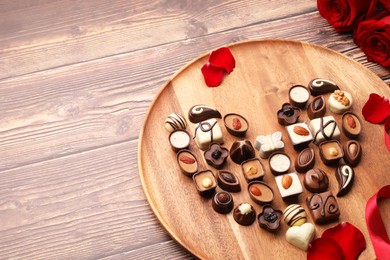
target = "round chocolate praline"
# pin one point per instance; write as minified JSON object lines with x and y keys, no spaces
{"x":236,"y":128}
{"x":299,"y":96}
{"x":260,"y":192}
{"x":179,"y":139}
{"x":244,"y":214}
{"x":316,"y":180}
{"x":222,"y":202}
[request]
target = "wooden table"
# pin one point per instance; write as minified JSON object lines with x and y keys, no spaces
{"x":76,"y":79}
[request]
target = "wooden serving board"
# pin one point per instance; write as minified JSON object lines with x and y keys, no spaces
{"x":256,"y":89}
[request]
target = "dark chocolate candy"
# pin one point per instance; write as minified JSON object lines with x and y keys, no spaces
{"x":187,"y":162}
{"x":352,"y":152}
{"x":241,"y":151}
{"x":228,"y":181}
{"x":299,"y":96}
{"x":345,"y":176}
{"x":260,"y":192}
{"x":244,"y":214}
{"x":269,"y":218}
{"x":205,"y":183}
{"x":216,"y":155}
{"x":317,"y":107}
{"x":321,"y":86}
{"x":323,"y":207}
{"x":288,"y":114}
{"x":351,"y":125}
{"x":235,"y":124}
{"x":222,"y":202}
{"x":305,"y":160}
{"x":199,"y":113}
{"x":316,"y":181}
{"x":331,"y":152}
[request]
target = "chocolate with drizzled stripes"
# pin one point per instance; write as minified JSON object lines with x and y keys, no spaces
{"x":324,"y":128}
{"x":207,"y":132}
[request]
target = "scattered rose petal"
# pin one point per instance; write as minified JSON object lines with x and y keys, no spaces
{"x":324,"y":248}
{"x":350,"y":239}
{"x":212,"y":75}
{"x":222,"y":58}
{"x":387,"y":134}
{"x":376,"y":109}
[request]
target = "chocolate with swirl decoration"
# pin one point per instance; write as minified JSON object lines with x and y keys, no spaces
{"x":316,"y":180}
{"x":321,"y":86}
{"x":345,"y":176}
{"x":323,"y":207}
{"x":207,"y":132}
{"x":199,"y":113}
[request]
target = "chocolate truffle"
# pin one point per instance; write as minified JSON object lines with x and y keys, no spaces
{"x":323,"y":207}
{"x":179,"y":139}
{"x":316,"y":181}
{"x":300,"y":135}
{"x":241,"y":151}
{"x":279,"y":163}
{"x":352,"y":152}
{"x":289,"y":185}
{"x":345,"y":176}
{"x":331,"y":152}
{"x":351,"y":125}
{"x":305,"y":160}
{"x":228,"y":181}
{"x":216,"y":155}
{"x":317,"y":107}
{"x":294,"y":215}
{"x":253,"y":169}
{"x":207,"y":132}
{"x":269,"y":218}
{"x":244,"y":214}
{"x":260,"y":192}
{"x":199,"y":113}
{"x":235,"y":124}
{"x":205,"y":183}
{"x":288,"y":114}
{"x":340,"y":101}
{"x":175,"y":121}
{"x":187,"y":162}
{"x":222,"y":202}
{"x":324,"y":128}
{"x":267,"y":144}
{"x":298,"y":96}
{"x":321,"y":86}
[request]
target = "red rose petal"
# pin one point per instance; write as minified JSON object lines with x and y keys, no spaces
{"x":387,"y":134}
{"x":223,"y":58}
{"x":324,"y":248}
{"x":349,"y":238}
{"x":376,"y":109}
{"x":212,"y":75}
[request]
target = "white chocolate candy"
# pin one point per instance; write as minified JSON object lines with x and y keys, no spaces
{"x":245,"y":208}
{"x":267,"y":144}
{"x":301,"y":236}
{"x":340,"y":101}
{"x":298,"y":138}
{"x":294,"y":215}
{"x":207,"y":132}
{"x":175,"y":121}
{"x":295,"y":188}
{"x":328,"y":126}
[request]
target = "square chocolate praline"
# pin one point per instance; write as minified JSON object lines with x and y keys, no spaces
{"x":331,"y":152}
{"x":300,"y":135}
{"x":253,"y":169}
{"x":323,"y":207}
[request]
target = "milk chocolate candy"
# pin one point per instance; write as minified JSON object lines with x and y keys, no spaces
{"x":241,"y":151}
{"x":222,"y":202}
{"x":236,"y":124}
{"x":317,"y":107}
{"x":305,"y":160}
{"x":316,"y":181}
{"x":199,"y":113}
{"x":260,"y":192}
{"x":340,"y":101}
{"x":244,"y":214}
{"x":288,"y":114}
{"x":321,"y":86}
{"x":187,"y":162}
{"x":205,"y":183}
{"x":207,"y":132}
{"x":323,"y":207}
{"x":269,"y":218}
{"x":216,"y":155}
{"x":351,"y":125}
{"x":345,"y":176}
{"x":299,"y":96}
{"x":175,"y":121}
{"x":300,"y":135}
{"x":253,"y":169}
{"x":331,"y":152}
{"x":324,"y":128}
{"x":228,"y":181}
{"x":179,"y":139}
{"x":352,"y":152}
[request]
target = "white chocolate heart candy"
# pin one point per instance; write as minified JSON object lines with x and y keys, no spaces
{"x":301,"y":236}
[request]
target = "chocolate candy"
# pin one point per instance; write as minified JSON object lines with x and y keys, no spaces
{"x":228,"y":181}
{"x":253,"y":169}
{"x":323,"y":207}
{"x":317,"y":107}
{"x":316,"y":181}
{"x":216,"y":155}
{"x":324,"y":128}
{"x":235,"y":124}
{"x":288,"y":114}
{"x":205,"y":183}
{"x":331,"y":152}
{"x":345,"y":176}
{"x":199,"y":113}
{"x":267,"y":144}
{"x":207,"y":132}
{"x":187,"y":162}
{"x":301,"y":236}
{"x":179,"y":139}
{"x":340,"y":101}
{"x":351,"y":125}
{"x":305,"y":160}
{"x":300,"y":135}
{"x":294,"y":215}
{"x":244,"y":214}
{"x":260,"y":192}
{"x":241,"y":151}
{"x":175,"y":121}
{"x":222,"y":202}
{"x":352,"y":152}
{"x":289,"y":185}
{"x":321,"y":86}
{"x":269,"y":218}
{"x":298,"y":96}
{"x":279,"y":163}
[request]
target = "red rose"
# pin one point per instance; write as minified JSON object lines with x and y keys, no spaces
{"x":373,"y":37}
{"x":344,"y":15}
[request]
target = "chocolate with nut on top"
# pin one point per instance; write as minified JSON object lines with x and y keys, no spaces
{"x":222,"y":202}
{"x":351,"y":125}
{"x":244,"y":214}
{"x":205,"y":183}
{"x":253,"y":169}
{"x":235,"y":124}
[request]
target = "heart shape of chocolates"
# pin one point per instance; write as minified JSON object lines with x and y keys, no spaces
{"x":301,"y":236}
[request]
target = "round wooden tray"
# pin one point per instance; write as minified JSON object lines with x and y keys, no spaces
{"x":256,"y":89}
